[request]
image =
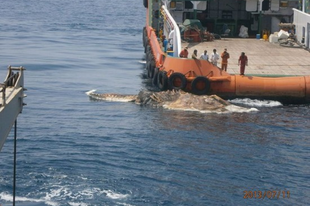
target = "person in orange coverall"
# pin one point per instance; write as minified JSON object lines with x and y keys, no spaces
{"x":225,"y":56}
{"x":242,"y":62}
{"x":184,"y":53}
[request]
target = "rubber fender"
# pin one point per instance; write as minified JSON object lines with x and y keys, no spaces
{"x":155,"y":76}
{"x":177,"y":81}
{"x":145,"y":38}
{"x":148,"y":65}
{"x":150,"y":56}
{"x":162,"y":80}
{"x":200,"y":85}
{"x":145,"y":44}
{"x":143,"y":35}
{"x":150,"y":71}
{"x":147,"y":51}
{"x":145,"y":3}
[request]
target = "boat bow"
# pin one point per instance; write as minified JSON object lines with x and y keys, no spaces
{"x":11,"y":100}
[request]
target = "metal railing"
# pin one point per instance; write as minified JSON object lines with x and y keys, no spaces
{"x":171,"y":29}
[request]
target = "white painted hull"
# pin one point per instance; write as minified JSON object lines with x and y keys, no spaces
{"x":11,"y":101}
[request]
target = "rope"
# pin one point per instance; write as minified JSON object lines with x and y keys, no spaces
{"x":14,"y":172}
{"x":291,"y":41}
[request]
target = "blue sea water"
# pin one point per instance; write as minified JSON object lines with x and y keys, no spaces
{"x":73,"y":151}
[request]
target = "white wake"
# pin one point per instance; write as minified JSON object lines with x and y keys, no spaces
{"x":256,"y":102}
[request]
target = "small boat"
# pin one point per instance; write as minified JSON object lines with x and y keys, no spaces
{"x":169,"y":71}
{"x":11,"y":100}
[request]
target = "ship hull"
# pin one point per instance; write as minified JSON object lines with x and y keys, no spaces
{"x":202,"y":77}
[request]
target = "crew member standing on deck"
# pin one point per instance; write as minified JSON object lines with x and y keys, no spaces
{"x":204,"y":55}
{"x":165,"y":43}
{"x":225,"y":56}
{"x":194,"y":55}
{"x":242,"y":62}
{"x":184,"y":53}
{"x":215,"y":57}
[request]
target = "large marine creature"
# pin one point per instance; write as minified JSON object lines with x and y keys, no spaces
{"x":174,"y":100}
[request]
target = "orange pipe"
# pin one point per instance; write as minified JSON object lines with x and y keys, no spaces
{"x":289,"y":89}
{"x":307,"y":85}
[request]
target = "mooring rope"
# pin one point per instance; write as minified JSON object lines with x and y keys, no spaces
{"x":15,"y":152}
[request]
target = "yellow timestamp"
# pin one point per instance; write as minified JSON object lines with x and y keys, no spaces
{"x":270,"y":194}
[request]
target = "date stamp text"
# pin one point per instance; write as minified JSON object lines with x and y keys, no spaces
{"x":270,"y":194}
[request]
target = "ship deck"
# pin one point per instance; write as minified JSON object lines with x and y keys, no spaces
{"x":264,"y":58}
{"x":9,"y":90}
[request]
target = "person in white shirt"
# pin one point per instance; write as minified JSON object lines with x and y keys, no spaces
{"x":215,"y":57}
{"x":204,"y":55}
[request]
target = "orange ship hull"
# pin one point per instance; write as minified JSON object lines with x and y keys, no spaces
{"x":201,"y":77}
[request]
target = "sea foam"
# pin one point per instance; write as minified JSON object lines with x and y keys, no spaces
{"x":255,"y":102}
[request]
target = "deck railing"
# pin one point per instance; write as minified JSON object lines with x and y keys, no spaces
{"x":171,"y":30}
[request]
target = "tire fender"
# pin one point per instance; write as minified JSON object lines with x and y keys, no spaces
{"x":145,"y":3}
{"x":178,"y":78}
{"x":200,"y":85}
{"x":150,"y":71}
{"x":155,"y":76}
{"x":162,"y":80}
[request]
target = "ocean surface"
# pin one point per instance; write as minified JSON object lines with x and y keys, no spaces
{"x":73,"y":151}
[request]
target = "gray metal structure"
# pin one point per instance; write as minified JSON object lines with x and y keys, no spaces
{"x":11,"y":100}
